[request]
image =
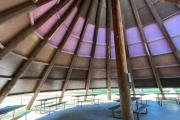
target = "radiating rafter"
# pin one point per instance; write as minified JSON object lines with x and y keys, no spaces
{"x":49,"y":68}
{"x":108,"y":46}
{"x":97,"y":23}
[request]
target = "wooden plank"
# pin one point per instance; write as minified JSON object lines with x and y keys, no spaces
{"x":48,"y":69}
{"x":145,"y":44}
{"x":108,"y":46}
{"x":9,"y":85}
{"x":163,"y":30}
{"x":97,"y":23}
{"x":126,"y":108}
{"x":66,"y":81}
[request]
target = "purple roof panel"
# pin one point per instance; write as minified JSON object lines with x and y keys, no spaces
{"x":159,"y":47}
{"x":113,"y":54}
{"x":85,"y":49}
{"x":62,"y":10}
{"x":88,"y":36}
{"x":112,"y":38}
{"x":177,"y":42}
{"x":152,"y":32}
{"x":101,"y":39}
{"x":100,"y":51}
{"x":69,"y":19}
{"x":78,"y":27}
{"x":157,"y":43}
{"x":71,"y":43}
{"x":136,"y":50}
{"x":173,"y":25}
{"x":59,"y":34}
{"x":133,"y":35}
{"x":45,"y":28}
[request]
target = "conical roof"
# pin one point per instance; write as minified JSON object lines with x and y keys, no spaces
{"x":51,"y":45}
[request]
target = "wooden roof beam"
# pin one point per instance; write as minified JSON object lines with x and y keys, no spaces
{"x":108,"y":46}
{"x":145,"y":44}
{"x":49,"y":68}
{"x":97,"y":23}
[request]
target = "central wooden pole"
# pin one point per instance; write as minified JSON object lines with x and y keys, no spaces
{"x":126,"y":108}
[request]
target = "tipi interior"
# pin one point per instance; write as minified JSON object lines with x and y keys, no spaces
{"x":89,"y":59}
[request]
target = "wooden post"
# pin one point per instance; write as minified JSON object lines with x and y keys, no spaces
{"x":108,"y":46}
{"x":126,"y":107}
{"x":146,"y":47}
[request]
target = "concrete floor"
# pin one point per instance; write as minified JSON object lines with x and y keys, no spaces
{"x":169,"y":111}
